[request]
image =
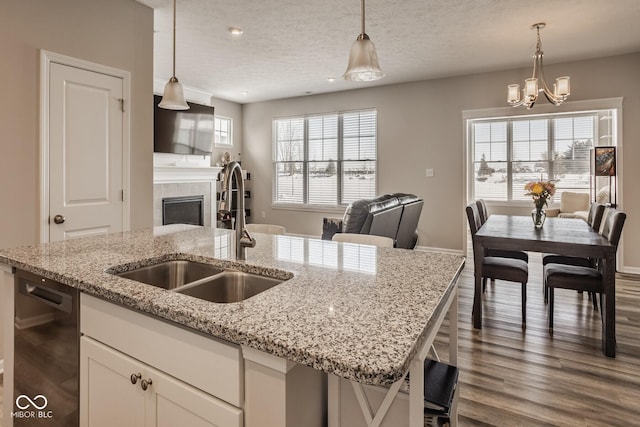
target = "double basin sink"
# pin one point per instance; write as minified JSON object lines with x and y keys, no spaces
{"x":204,"y":281}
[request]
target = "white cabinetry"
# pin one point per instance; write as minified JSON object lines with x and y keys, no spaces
{"x":111,"y":398}
{"x":209,"y":392}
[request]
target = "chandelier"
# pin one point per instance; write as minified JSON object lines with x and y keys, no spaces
{"x":536,"y":84}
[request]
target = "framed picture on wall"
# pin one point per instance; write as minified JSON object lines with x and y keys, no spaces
{"x":605,"y":161}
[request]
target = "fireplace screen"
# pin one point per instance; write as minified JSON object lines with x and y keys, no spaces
{"x":183,"y":210}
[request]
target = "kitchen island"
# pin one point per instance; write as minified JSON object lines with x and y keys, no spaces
{"x":355,"y":312}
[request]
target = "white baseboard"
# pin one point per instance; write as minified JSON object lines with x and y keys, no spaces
{"x":630,"y":270}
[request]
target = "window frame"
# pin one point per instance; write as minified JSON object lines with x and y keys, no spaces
{"x":305,"y":206}
{"x":216,"y":132}
{"x":510,"y":113}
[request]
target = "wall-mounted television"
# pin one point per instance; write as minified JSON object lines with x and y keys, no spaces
{"x":183,"y":131}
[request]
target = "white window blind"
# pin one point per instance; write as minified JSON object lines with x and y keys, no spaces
{"x":506,"y":153}
{"x":325,"y":159}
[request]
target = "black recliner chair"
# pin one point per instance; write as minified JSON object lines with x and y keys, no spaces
{"x":391,"y":215}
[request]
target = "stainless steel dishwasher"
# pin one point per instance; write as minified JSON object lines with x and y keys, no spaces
{"x":47,"y":356}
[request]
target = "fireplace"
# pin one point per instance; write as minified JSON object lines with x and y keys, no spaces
{"x":183,"y":210}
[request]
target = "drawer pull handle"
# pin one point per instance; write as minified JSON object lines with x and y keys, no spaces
{"x":146,"y":383}
{"x":135,"y":377}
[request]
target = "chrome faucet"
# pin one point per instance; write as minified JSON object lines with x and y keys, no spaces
{"x":243,"y":237}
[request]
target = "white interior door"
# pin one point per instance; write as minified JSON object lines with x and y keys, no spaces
{"x":85,"y":153}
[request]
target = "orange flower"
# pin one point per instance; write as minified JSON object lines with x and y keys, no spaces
{"x":540,"y":192}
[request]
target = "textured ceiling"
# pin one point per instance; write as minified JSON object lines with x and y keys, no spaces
{"x":291,"y":47}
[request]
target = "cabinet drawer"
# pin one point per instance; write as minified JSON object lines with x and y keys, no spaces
{"x":209,"y":364}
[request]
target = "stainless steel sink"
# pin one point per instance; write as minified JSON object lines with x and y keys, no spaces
{"x":171,"y":274}
{"x":229,"y":286}
{"x":199,"y":280}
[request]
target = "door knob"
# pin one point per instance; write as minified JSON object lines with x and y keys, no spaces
{"x":58,"y":219}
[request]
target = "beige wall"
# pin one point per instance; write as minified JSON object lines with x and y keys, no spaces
{"x":234,"y":111}
{"x":116,"y":33}
{"x":420,"y":125}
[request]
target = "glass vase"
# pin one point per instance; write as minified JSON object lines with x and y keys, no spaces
{"x":538,"y":216}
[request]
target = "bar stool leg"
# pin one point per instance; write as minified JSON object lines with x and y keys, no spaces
{"x":550,"y":290}
{"x":524,"y":305}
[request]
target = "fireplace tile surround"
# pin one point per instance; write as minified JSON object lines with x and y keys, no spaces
{"x":179,"y":181}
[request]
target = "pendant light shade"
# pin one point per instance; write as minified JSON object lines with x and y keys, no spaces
{"x":363,"y":59}
{"x":173,"y":97}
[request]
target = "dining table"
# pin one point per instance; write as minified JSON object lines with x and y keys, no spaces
{"x":564,"y":236}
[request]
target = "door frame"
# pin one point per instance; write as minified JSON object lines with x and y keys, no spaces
{"x":46,"y":59}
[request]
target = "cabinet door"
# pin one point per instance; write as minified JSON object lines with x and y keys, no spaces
{"x":174,"y":403}
{"x":107,"y":396}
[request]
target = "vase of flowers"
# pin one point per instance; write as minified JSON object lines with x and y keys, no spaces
{"x":540,"y":191}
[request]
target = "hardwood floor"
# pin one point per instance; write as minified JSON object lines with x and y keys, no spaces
{"x":513,"y":378}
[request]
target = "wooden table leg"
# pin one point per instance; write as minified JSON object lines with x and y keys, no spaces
{"x":609,"y":306}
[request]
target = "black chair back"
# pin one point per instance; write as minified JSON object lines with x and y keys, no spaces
{"x":473,"y":216}
{"x":482,"y":210}
{"x":612,"y":228}
{"x":594,"y":219}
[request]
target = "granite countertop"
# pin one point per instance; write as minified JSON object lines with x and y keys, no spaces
{"x":356,"y":311}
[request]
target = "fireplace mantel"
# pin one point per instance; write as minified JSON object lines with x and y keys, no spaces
{"x":172,"y":174}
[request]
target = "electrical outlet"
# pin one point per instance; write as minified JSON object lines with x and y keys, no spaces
{"x":429,"y":172}
{"x":263,"y":215}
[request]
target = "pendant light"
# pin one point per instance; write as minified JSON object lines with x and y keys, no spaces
{"x":363,"y":59}
{"x":173,"y":97}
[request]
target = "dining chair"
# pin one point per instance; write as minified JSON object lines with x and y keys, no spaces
{"x":578,"y":277}
{"x":497,"y":267}
{"x":364,"y":239}
{"x":482,"y":210}
{"x":483,"y":215}
{"x":594,"y":219}
{"x":266,"y":228}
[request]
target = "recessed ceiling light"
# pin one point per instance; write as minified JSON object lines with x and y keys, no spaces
{"x":331,"y":79}
{"x":236,"y":31}
{"x":244,"y":92}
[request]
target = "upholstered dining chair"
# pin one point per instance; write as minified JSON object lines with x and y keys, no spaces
{"x":364,"y":239}
{"x":578,"y":277}
{"x":496,"y":267}
{"x":594,"y":219}
{"x":484,"y":215}
{"x":266,"y":228}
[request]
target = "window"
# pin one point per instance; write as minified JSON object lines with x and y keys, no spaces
{"x":222,"y":132}
{"x":507,"y":152}
{"x":325,"y":159}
